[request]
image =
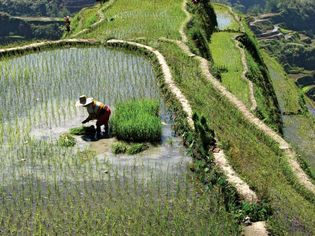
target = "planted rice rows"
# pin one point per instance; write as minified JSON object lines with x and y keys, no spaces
{"x":48,"y":92}
{"x":48,"y":189}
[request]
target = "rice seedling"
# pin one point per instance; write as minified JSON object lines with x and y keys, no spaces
{"x":119,"y":147}
{"x":129,"y":148}
{"x":83,"y":130}
{"x":137,"y":148}
{"x":66,"y":140}
{"x":137,"y":121}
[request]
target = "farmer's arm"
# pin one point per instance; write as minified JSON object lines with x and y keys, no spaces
{"x":86,"y":120}
{"x":90,"y":117}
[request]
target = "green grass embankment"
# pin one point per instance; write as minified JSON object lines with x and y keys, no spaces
{"x":84,"y":19}
{"x":134,"y":19}
{"x":299,"y":126}
{"x":227,"y":61}
{"x":253,"y":155}
{"x":227,"y":66}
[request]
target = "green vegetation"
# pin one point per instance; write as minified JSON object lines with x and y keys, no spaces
{"x":84,"y":19}
{"x":228,"y":59}
{"x":157,"y":205}
{"x":66,"y":140}
{"x":119,"y":147}
{"x":82,"y":130}
{"x":295,"y":14}
{"x":292,"y":54}
{"x":18,"y":29}
{"x":137,"y":121}
{"x":225,"y":20}
{"x":137,"y":148}
{"x":42,"y":7}
{"x":241,"y":141}
{"x":161,"y":18}
{"x":287,"y":93}
{"x":129,"y":148}
{"x":201,"y":26}
{"x":228,"y":67}
{"x":299,"y":127}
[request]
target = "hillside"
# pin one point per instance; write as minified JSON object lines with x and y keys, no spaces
{"x":228,"y":111}
{"x":35,"y":20}
{"x":285,"y":29}
{"x":43,"y":7}
{"x":296,"y":15}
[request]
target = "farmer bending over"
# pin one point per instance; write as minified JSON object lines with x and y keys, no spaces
{"x":67,"y":23}
{"x":97,"y":111}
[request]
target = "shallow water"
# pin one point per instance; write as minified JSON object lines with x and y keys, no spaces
{"x":224,"y":20}
{"x":42,"y":91}
{"x":168,"y":156}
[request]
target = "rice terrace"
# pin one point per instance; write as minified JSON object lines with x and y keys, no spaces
{"x":153,"y":117}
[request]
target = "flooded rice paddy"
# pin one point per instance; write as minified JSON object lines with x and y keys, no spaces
{"x":41,"y":90}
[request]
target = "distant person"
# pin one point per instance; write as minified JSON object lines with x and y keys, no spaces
{"x":101,"y":1}
{"x":67,"y":23}
{"x":97,"y":111}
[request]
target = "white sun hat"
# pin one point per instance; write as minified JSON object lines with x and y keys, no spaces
{"x":83,"y":101}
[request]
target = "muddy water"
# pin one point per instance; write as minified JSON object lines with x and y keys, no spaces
{"x":169,"y":156}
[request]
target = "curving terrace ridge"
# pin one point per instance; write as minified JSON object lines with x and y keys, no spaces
{"x":244,"y":76}
{"x":257,"y":228}
{"x":283,"y":145}
{"x":101,"y":19}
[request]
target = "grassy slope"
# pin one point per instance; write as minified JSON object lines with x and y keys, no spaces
{"x":252,"y":154}
{"x":149,"y":19}
{"x":84,"y":19}
{"x":229,"y":58}
{"x":249,"y":150}
{"x":301,"y":136}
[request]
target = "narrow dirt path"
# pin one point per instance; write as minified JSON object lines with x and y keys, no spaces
{"x":101,"y":17}
{"x":256,"y":229}
{"x":244,"y":76}
{"x":243,"y":189}
{"x":220,"y":159}
{"x":35,"y":46}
